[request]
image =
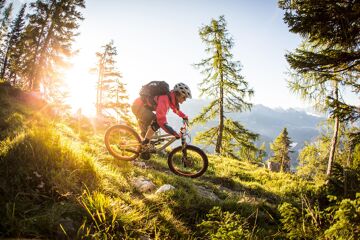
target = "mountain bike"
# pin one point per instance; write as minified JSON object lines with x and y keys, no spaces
{"x":124,"y":143}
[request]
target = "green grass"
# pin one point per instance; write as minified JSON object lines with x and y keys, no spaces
{"x":58,"y":181}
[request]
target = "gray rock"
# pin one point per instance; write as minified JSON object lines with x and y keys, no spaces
{"x":164,"y":188}
{"x":143,"y":184}
{"x":139,"y":164}
{"x":207,"y":193}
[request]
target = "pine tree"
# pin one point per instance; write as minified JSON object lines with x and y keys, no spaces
{"x":330,"y":55}
{"x":239,"y":142}
{"x":112,"y":98}
{"x":224,"y":83}
{"x":5,"y":20}
{"x":49,"y":36}
{"x":13,"y":48}
{"x":2,"y":3}
{"x":4,"y":27}
{"x":281,"y":149}
{"x":312,"y":161}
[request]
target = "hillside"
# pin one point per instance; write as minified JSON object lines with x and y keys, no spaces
{"x":58,"y":182}
{"x":267,"y":122}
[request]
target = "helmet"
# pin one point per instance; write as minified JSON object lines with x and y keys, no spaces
{"x":183,"y":89}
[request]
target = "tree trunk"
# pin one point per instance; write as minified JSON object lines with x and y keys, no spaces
{"x":333,"y":146}
{"x":218,"y":148}
{"x":335,"y":135}
{"x":34,"y":82}
{"x":5,"y":64}
{"x":42,"y":55}
{"x":282,"y":162}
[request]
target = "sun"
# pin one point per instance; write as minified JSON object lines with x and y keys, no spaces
{"x":81,"y":87}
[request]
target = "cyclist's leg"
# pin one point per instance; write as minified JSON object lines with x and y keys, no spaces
{"x":144,"y":117}
{"x":154,"y":126}
{"x":145,"y":121}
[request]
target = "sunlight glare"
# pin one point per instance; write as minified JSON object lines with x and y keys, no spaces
{"x":82,"y":89}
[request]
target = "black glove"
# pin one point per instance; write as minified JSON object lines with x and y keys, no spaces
{"x":177,"y":136}
{"x":186,"y":121}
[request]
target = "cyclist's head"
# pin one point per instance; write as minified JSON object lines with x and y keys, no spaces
{"x":183,"y":89}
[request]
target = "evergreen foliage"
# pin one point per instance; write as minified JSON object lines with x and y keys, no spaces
{"x":312,"y":161}
{"x":5,"y":22}
{"x":281,"y":148}
{"x":329,"y":56}
{"x":311,"y":220}
{"x":2,"y":3}
{"x":224,"y":83}
{"x":112,"y":98}
{"x":13,"y":48}
{"x":224,"y":225}
{"x":334,"y":27}
{"x":346,"y":220}
{"x":48,"y":39}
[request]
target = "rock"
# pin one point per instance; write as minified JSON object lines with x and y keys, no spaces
{"x":139,"y":164}
{"x":143,"y":185}
{"x":164,"y":188}
{"x":144,"y":237}
{"x":207,"y":193}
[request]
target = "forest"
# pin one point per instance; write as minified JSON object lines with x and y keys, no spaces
{"x":58,"y":180}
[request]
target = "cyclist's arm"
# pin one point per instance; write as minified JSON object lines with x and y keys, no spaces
{"x":180,"y":113}
{"x":161,"y":111}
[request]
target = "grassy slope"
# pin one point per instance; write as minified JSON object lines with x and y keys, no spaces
{"x":57,"y":181}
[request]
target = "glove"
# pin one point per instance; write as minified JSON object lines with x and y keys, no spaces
{"x":186,"y":121}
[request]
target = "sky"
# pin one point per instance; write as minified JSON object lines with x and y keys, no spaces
{"x":159,"y":40}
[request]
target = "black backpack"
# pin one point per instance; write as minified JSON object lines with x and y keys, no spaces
{"x":152,"y":89}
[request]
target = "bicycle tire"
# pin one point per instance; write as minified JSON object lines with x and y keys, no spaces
{"x":173,"y":161}
{"x":130,"y":142}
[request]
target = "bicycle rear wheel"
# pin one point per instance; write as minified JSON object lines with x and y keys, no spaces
{"x":122,"y":142}
{"x":193,"y":162}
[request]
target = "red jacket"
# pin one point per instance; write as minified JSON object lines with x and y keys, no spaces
{"x":162,"y":105}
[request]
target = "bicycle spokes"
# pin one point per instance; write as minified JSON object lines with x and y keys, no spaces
{"x":123,"y":143}
{"x":187,"y":162}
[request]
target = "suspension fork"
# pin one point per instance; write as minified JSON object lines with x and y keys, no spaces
{"x":183,"y":143}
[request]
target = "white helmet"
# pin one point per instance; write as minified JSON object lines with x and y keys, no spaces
{"x":183,"y":89}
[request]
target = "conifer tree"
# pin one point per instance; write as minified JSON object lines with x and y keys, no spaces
{"x":281,"y":149}
{"x":13,"y":48}
{"x":238,"y":142}
{"x":5,"y":19}
{"x":112,"y":96}
{"x":226,"y":86}
{"x":2,"y":3}
{"x":329,"y":56}
{"x":49,"y":36}
{"x":4,"y":27}
{"x":312,"y":161}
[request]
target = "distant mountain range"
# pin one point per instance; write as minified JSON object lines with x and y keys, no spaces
{"x":265,"y":121}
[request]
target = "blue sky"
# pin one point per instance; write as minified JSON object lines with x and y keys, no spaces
{"x":159,"y":40}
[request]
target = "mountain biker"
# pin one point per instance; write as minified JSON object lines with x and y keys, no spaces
{"x":149,"y":122}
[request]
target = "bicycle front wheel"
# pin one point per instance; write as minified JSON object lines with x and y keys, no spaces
{"x":122,"y":142}
{"x":190,"y":162}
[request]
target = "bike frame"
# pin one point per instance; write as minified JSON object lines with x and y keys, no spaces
{"x":169,"y":139}
{"x":165,"y":137}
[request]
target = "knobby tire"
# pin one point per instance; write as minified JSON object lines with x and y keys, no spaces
{"x":132,"y":133}
{"x":190,"y":148}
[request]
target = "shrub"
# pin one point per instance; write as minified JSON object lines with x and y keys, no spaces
{"x":346,"y":223}
{"x":224,"y":225}
{"x":304,"y":223}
